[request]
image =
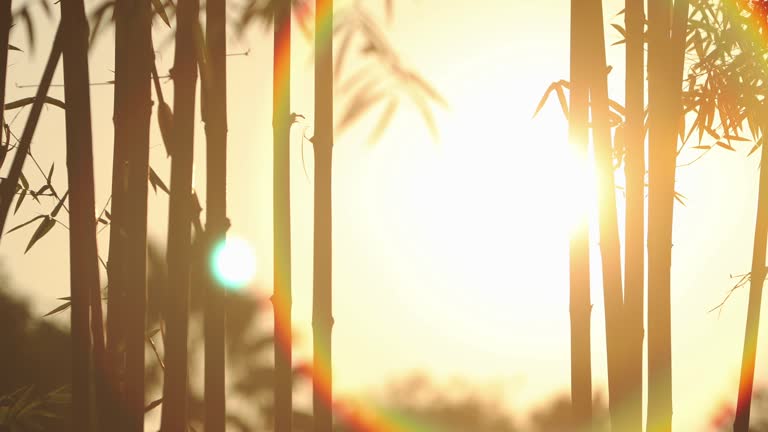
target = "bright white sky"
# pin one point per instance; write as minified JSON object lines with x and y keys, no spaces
{"x":449,"y":257}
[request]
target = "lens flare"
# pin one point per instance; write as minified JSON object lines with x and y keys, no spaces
{"x":233,"y":263}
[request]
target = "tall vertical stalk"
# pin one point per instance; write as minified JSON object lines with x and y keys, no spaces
{"x":608,"y":221}
{"x":322,"y":310}
{"x":5,"y":28}
{"x":757,"y":278}
{"x":176,"y":304}
{"x":84,"y":272}
{"x":8,"y":186}
{"x":133,"y":109}
{"x":666,"y":47}
{"x":216,"y":211}
{"x":282,"y":298}
{"x":580,"y":304}
{"x":634,"y":234}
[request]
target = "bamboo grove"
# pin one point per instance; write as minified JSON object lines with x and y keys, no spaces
{"x":692,"y":67}
{"x":110,"y":345}
{"x":703,"y":68}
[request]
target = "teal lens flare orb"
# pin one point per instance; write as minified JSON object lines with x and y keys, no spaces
{"x":233,"y":263}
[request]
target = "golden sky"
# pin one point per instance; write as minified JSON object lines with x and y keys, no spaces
{"x":450,"y":257}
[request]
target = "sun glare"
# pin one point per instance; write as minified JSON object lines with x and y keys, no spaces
{"x":233,"y":263}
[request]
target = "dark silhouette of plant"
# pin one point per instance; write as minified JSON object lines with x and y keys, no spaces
{"x":580,"y":303}
{"x":215,"y":108}
{"x":84,"y":272}
{"x":128,"y":232}
{"x":179,"y":254}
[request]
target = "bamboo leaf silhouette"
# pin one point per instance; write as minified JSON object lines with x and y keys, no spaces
{"x":361,"y":103}
{"x":384,"y":120}
{"x":60,"y":308}
{"x":156,"y":182}
{"x":98,"y":17}
{"x":49,"y":176}
{"x":19,"y":201}
{"x":30,"y":27}
{"x":152,"y":405}
{"x":59,"y":205}
{"x":42,"y":229}
{"x":160,"y":10}
{"x":17,"y":227}
{"x":13,"y":48}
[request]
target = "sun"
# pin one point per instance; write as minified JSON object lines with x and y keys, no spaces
{"x":233,"y":263}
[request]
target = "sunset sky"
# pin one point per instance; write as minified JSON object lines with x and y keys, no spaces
{"x":450,"y":256}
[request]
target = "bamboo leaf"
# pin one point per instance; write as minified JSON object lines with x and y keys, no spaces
{"x":20,"y":200}
{"x":17,"y":227}
{"x":42,"y":229}
{"x":58,"y":309}
{"x":152,"y":405}
{"x":165,"y":121}
{"x":50,"y":175}
{"x":725,"y":145}
{"x":156,"y":182}
{"x":384,"y":120}
{"x":161,"y":12}
{"x":59,"y":205}
{"x":13,"y":48}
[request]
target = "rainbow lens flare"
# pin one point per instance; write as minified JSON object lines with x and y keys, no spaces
{"x":233,"y":263}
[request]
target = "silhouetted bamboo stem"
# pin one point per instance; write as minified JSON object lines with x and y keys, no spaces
{"x":757,"y":278}
{"x":216,"y":213}
{"x":116,"y":261}
{"x":634,"y":256}
{"x":282,"y":297}
{"x":84,"y":271}
{"x":322,"y":310}
{"x":580,"y":303}
{"x":133,"y":109}
{"x":665,"y":73}
{"x":8,"y":186}
{"x":5,"y":28}
{"x":176,"y":303}
{"x":610,"y":249}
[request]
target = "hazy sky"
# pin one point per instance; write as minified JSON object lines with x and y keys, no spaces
{"x":450,"y":257}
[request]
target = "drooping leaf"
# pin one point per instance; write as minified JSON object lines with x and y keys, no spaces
{"x":165,"y":121}
{"x":160,"y":10}
{"x":725,"y":145}
{"x":384,"y":120}
{"x":156,"y":182}
{"x":42,"y":229}
{"x":20,"y":200}
{"x":20,"y":226}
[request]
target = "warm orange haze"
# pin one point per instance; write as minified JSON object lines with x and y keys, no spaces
{"x":383,"y":215}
